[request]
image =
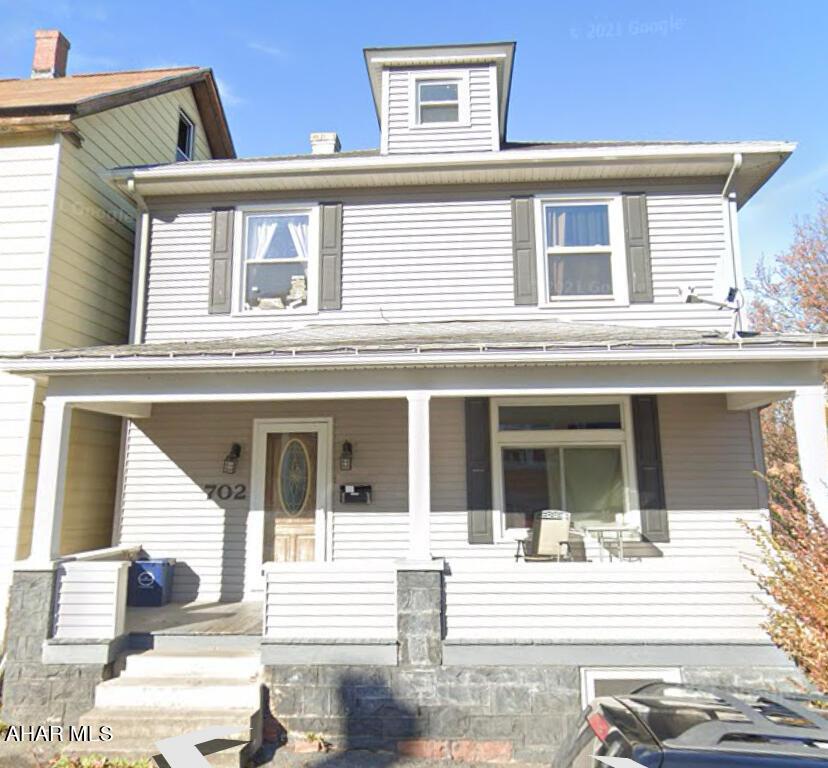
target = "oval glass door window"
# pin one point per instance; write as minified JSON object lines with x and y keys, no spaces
{"x":294,"y":477}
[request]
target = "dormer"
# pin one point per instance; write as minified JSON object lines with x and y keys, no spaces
{"x":445,"y":98}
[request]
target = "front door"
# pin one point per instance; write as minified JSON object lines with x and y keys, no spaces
{"x":291,"y":501}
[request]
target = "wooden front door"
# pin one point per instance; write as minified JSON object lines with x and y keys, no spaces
{"x":291,"y":496}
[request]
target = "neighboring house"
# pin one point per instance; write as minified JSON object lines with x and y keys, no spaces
{"x":66,"y":252}
{"x":354,"y":380}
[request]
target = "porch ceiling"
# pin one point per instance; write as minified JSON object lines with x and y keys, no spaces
{"x":433,"y":343}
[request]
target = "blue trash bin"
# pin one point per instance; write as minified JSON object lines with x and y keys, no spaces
{"x":150,"y":583}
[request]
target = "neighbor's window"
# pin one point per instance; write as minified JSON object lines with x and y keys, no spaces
{"x":562,"y":456}
{"x":186,"y":138}
{"x":578,"y":250}
{"x":438,"y":101}
{"x":275,"y":261}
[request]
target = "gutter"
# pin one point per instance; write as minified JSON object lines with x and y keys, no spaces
{"x":413,"y":358}
{"x":445,"y":161}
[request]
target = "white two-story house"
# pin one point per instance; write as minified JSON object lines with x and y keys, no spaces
{"x":356,"y":381}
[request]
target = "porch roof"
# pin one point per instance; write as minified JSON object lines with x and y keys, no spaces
{"x":432,"y":343}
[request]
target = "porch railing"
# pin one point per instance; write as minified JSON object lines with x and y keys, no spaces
{"x":330,"y":601}
{"x":90,"y":594}
{"x":687,"y":600}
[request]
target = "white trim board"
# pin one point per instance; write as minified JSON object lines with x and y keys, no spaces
{"x":589,"y":676}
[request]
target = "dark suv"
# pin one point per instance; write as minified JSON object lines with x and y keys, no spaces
{"x":679,"y":726}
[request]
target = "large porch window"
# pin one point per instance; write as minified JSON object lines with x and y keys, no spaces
{"x":572,"y":455}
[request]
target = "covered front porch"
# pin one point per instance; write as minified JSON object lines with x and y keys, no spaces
{"x":330,"y":590}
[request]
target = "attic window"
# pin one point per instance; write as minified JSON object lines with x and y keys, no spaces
{"x":438,"y":101}
{"x":186,"y":138}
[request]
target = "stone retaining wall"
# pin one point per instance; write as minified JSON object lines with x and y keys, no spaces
{"x":35,"y":693}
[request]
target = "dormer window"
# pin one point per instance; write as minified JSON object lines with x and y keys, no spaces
{"x":186,"y":138}
{"x":438,"y":101}
{"x":439,"y":98}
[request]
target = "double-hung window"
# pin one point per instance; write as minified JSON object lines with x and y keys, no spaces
{"x":439,"y":98}
{"x":572,"y":455}
{"x":277,"y":269}
{"x":438,"y":101}
{"x":583,"y":250}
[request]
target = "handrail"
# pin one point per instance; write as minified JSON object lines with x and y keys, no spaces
{"x":109,"y":553}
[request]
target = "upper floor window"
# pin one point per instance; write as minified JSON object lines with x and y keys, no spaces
{"x":276,"y":269}
{"x":438,"y":101}
{"x":439,"y":98}
{"x":185,"y":143}
{"x":583,"y":250}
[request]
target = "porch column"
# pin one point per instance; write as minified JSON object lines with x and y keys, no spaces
{"x":812,"y":442}
{"x":51,"y":482}
{"x":419,"y":477}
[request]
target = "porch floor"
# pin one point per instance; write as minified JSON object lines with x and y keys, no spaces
{"x":197,"y":619}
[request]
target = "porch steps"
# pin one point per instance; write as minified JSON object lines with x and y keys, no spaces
{"x":161,"y":694}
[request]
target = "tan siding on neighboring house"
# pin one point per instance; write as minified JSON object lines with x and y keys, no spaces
{"x":421,"y":259}
{"x":480,"y":134}
{"x":90,"y":281}
{"x":92,"y":248}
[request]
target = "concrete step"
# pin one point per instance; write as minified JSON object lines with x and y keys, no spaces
{"x":130,"y":724}
{"x":237,"y":756}
{"x":202,"y":664}
{"x":171,"y":693}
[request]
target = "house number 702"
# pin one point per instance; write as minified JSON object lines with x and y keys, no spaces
{"x":225,"y":492}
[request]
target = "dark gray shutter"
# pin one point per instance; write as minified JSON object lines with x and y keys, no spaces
{"x":523,"y":250}
{"x":221,"y":262}
{"x":478,"y":471}
{"x":637,"y":234}
{"x":654,"y":518}
{"x":330,"y":256}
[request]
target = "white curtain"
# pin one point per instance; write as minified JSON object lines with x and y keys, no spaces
{"x":261,"y":233}
{"x":299,"y":235}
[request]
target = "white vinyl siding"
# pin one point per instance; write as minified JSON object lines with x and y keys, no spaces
{"x":437,"y":259}
{"x":479,"y":132}
{"x":652,"y":601}
{"x":90,"y":600}
{"x":28,"y":169}
{"x":331,"y":601}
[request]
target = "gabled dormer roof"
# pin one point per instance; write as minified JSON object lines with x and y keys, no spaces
{"x":500,"y":54}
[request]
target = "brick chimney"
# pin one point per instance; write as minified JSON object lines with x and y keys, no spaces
{"x":324,"y":143}
{"x":50,"y":53}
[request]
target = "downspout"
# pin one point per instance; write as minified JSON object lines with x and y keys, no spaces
{"x":730,"y":198}
{"x":734,"y":169}
{"x":139,"y":265}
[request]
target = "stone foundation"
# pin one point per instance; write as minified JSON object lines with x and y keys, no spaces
{"x":33,"y":692}
{"x":511,"y":712}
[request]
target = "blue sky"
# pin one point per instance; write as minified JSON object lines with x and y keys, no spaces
{"x":584,"y":70}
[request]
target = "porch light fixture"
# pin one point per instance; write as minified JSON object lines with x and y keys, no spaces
{"x":346,"y":458}
{"x":231,"y":460}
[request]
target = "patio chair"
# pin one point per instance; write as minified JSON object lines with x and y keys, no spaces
{"x":552,"y":538}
